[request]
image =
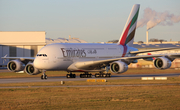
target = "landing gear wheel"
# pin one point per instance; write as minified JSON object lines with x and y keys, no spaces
{"x":86,"y":75}
{"x":68,"y":76}
{"x":74,"y":75}
{"x":82,"y":75}
{"x":89,"y":75}
{"x":71,"y":75}
{"x":108,"y":74}
{"x":104,"y":75}
{"x":96,"y":75}
{"x":43,"y":76}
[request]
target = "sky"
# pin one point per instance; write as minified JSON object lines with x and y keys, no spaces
{"x":89,"y":20}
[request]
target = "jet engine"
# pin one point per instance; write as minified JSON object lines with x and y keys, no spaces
{"x":118,"y":67}
{"x":15,"y":65}
{"x":31,"y":70}
{"x":162,"y":63}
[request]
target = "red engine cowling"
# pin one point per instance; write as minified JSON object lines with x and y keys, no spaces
{"x":162,"y":63}
{"x":118,"y":67}
{"x":15,"y":65}
{"x":31,"y":70}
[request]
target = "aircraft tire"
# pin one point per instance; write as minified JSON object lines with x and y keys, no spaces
{"x":109,"y":75}
{"x":45,"y":77}
{"x":74,"y":75}
{"x":89,"y":75}
{"x":97,"y":75}
{"x":85,"y":75}
{"x":67,"y":75}
{"x":81,"y":75}
{"x":42,"y":77}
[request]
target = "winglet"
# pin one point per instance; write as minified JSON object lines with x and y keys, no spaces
{"x":127,"y":36}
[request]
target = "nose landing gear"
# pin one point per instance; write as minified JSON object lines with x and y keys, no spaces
{"x":44,"y":76}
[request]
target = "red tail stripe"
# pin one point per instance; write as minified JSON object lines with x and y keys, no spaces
{"x":124,"y":51}
{"x":123,"y":39}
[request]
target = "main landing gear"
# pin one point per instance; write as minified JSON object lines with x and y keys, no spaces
{"x":71,"y":75}
{"x":86,"y":75}
{"x":102,"y":75}
{"x":44,"y":76}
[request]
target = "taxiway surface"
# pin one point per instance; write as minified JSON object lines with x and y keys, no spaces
{"x":63,"y":78}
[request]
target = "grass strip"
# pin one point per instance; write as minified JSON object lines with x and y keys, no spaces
{"x":91,"y":98}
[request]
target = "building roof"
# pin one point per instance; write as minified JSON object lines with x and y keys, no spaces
{"x":155,"y":45}
{"x":22,"y":37}
{"x":64,"y":40}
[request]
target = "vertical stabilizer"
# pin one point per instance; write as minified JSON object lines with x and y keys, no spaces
{"x":127,"y":36}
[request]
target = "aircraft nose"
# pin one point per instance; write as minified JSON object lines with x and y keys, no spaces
{"x":41,"y":63}
{"x":36,"y":63}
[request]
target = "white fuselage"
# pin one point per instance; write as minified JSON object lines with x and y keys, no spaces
{"x":59,"y":56}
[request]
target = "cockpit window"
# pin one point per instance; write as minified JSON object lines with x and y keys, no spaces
{"x":44,"y":55}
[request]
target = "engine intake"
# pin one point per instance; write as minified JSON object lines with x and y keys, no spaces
{"x":31,"y":70}
{"x":15,"y":66}
{"x":118,"y":67}
{"x":162,"y":63}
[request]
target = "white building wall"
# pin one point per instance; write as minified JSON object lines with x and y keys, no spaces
{"x":39,"y":48}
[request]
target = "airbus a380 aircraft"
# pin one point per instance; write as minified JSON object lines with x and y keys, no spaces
{"x":91,"y":57}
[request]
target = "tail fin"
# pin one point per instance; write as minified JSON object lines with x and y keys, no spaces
{"x":127,"y":36}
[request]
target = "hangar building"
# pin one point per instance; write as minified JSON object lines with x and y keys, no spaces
{"x":20,"y":44}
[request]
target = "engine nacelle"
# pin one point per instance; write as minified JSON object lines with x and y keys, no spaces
{"x":162,"y":63}
{"x":15,"y":65}
{"x":31,"y":70}
{"x":118,"y":67}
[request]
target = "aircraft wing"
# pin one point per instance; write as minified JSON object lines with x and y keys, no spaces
{"x":87,"y":64}
{"x":20,"y":58}
{"x":152,"y":50}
